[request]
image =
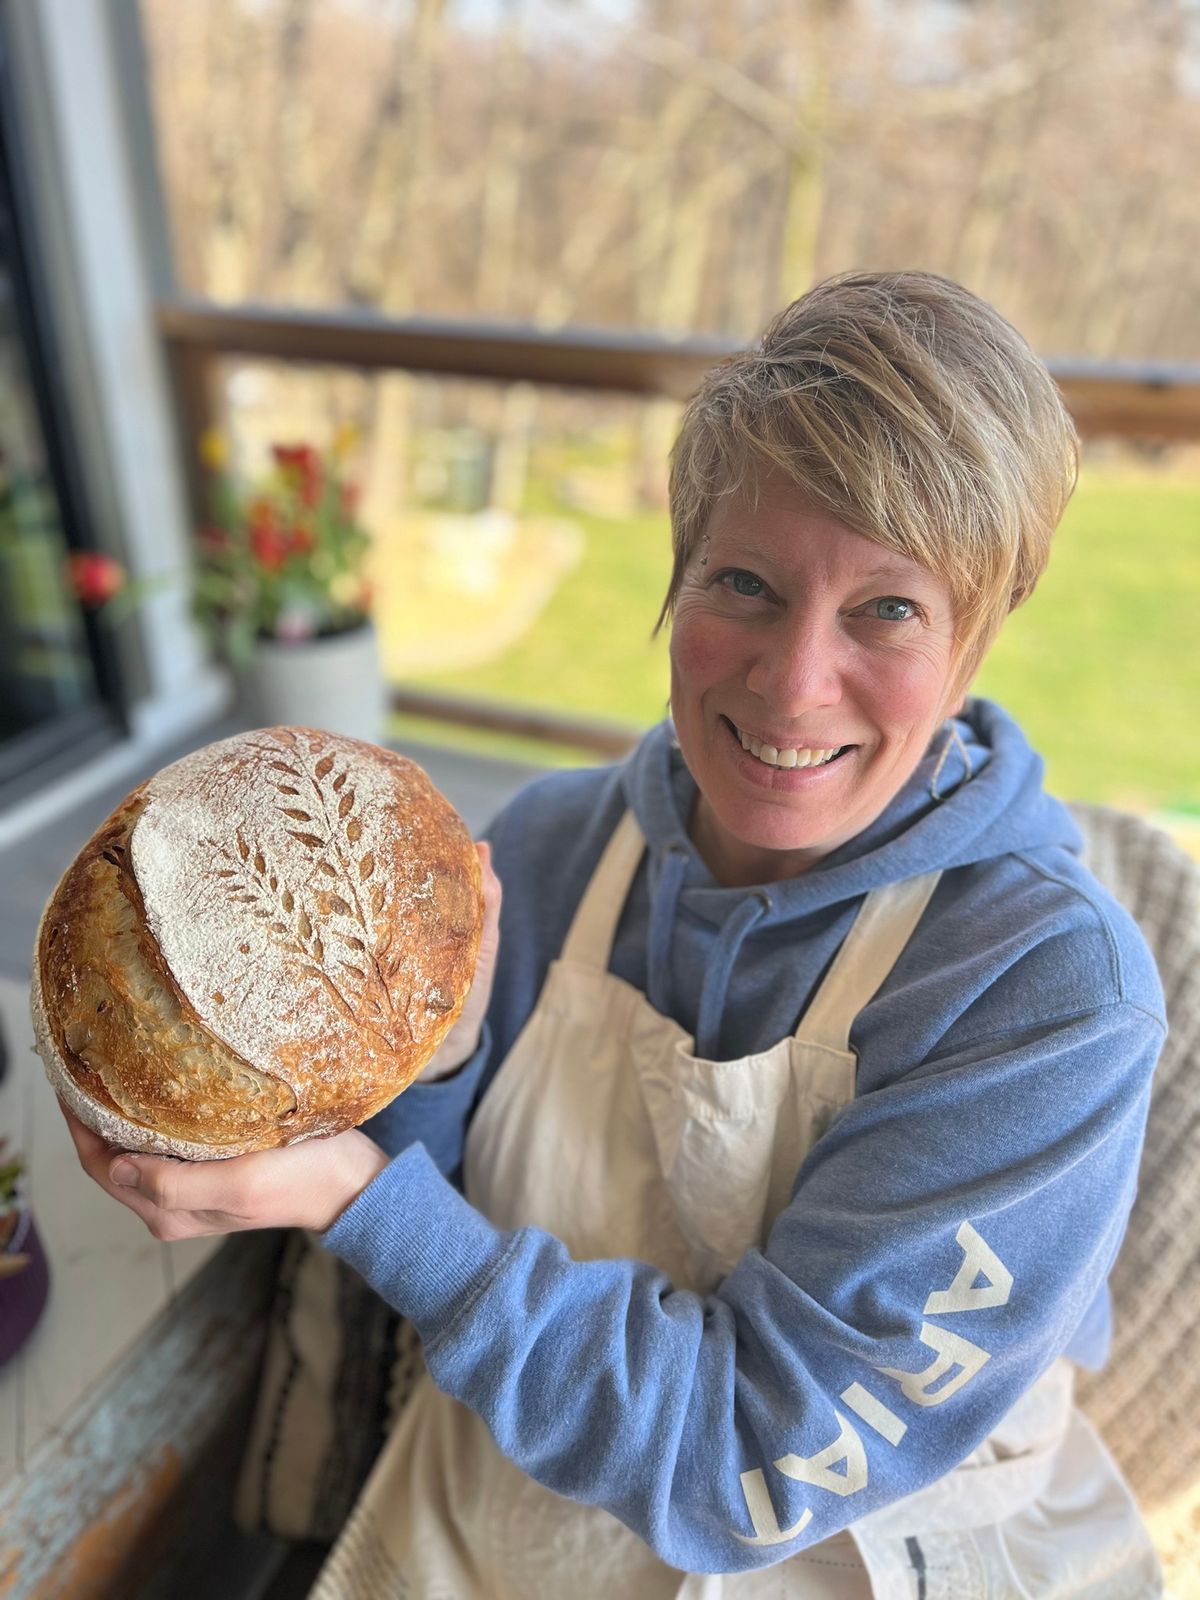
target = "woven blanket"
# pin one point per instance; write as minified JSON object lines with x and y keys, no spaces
{"x":1146,"y":1401}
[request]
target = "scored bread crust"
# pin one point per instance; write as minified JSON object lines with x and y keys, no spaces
{"x":265,"y":942}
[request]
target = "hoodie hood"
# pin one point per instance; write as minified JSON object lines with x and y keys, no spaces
{"x":976,"y":794}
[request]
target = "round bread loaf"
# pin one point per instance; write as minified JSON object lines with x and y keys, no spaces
{"x":266,"y":941}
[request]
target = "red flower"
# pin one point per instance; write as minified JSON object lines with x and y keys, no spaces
{"x":94,"y":578}
{"x":270,"y":546}
{"x":295,"y":457}
{"x":268,"y":541}
{"x":300,"y":540}
{"x":300,"y":463}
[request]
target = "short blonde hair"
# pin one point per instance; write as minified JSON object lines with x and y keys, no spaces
{"x":913,"y":412}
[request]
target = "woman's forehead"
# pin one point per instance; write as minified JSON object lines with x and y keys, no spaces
{"x":791,"y":532}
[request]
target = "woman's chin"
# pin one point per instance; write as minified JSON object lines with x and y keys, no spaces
{"x":761,"y":841}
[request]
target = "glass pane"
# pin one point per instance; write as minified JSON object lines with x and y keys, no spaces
{"x":686,"y":165}
{"x":45,"y":668}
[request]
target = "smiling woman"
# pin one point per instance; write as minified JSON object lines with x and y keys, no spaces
{"x":857,"y":504}
{"x":774,"y":1198}
{"x":802,"y":696}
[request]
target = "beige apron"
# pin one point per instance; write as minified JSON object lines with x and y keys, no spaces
{"x":603,"y":1128}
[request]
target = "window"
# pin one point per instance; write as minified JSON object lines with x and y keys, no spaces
{"x":55,"y":676}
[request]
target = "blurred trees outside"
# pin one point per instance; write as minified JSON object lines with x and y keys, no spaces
{"x":688,"y":165}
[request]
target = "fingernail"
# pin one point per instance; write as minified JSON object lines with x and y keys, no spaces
{"x":124,"y":1173}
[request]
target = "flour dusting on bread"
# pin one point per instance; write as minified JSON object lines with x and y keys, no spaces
{"x":314,"y":905}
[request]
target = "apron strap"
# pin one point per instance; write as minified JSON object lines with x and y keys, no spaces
{"x":590,"y":939}
{"x":883,"y":926}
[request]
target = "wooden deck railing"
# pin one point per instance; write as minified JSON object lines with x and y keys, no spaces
{"x":1131,"y":400}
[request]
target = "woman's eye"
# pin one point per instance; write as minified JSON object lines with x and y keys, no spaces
{"x":894,"y":608}
{"x":744,"y":583}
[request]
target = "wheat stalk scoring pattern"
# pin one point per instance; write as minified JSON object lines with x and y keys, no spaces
{"x":332,"y":924}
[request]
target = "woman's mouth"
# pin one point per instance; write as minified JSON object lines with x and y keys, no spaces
{"x":786,"y":757}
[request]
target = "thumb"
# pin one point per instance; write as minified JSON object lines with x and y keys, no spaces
{"x":189,"y":1185}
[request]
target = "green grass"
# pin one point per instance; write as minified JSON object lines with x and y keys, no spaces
{"x":1101,"y":667}
{"x":590,"y":649}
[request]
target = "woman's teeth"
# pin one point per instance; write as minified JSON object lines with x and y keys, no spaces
{"x":786,"y":758}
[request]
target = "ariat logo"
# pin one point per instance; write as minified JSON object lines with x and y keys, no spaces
{"x":981,"y":1282}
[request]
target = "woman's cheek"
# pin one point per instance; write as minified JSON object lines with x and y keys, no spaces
{"x":700,"y":650}
{"x":921,"y":683}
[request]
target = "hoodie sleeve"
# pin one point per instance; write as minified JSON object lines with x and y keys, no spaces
{"x":943,"y":1241}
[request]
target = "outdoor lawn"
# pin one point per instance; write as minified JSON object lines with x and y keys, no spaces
{"x":1102,"y":666}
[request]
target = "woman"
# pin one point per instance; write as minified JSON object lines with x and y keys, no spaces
{"x":802,"y":1127}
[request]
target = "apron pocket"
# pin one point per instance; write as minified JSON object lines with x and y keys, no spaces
{"x":730,"y":1137}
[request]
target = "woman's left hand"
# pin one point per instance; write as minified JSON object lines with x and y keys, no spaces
{"x":306,"y":1185}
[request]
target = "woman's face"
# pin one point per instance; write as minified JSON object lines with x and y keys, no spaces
{"x":794,"y":638}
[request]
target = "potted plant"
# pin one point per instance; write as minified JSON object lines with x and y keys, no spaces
{"x":24,"y":1274}
{"x":280,"y":589}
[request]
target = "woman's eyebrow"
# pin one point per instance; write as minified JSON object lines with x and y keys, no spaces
{"x":907,"y":574}
{"x":732,"y":548}
{"x":735,"y":550}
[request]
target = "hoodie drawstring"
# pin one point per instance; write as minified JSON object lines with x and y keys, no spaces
{"x":664,"y":909}
{"x":716,"y":976}
{"x":664,"y":916}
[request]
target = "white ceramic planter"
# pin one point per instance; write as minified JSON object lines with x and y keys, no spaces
{"x":333,"y":683}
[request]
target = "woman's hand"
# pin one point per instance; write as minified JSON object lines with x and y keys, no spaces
{"x":460,"y":1044}
{"x":306,"y":1185}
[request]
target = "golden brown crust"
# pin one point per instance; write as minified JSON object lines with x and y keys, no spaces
{"x":266,"y":941}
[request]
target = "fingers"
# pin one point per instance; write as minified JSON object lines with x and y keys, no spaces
{"x":305,"y":1185}
{"x":165,"y":1225}
{"x":94,"y":1153}
{"x":100,"y":1160}
{"x":146,"y":1185}
{"x":186,"y":1199}
{"x":225,"y":1187}
{"x":86,"y":1142}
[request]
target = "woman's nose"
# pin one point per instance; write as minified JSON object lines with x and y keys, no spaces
{"x":797,"y":670}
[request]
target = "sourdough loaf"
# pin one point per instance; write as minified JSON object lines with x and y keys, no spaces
{"x":266,"y":941}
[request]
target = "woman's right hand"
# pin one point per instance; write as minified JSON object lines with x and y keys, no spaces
{"x":460,"y":1044}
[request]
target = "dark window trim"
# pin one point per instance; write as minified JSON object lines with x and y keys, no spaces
{"x":107,"y":720}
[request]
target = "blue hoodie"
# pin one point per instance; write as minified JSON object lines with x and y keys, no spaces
{"x":1003,"y":1080}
